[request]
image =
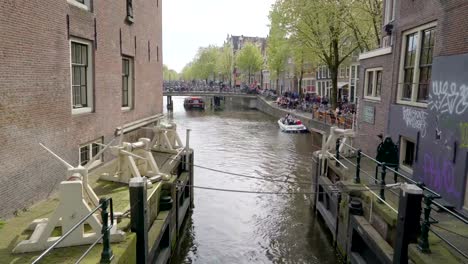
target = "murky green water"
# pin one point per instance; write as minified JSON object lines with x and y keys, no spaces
{"x":249,"y":228}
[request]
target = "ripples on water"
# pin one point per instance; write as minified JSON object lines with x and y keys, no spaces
{"x":249,"y":228}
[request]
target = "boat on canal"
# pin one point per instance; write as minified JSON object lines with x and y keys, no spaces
{"x":292,"y":125}
{"x":194,"y":102}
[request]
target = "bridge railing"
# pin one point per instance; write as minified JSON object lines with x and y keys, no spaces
{"x":214,"y":89}
{"x":432,"y":210}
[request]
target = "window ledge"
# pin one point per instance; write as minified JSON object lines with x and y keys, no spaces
{"x":372,"y":99}
{"x":79,"y":5}
{"x":126,"y":109}
{"x":83,"y":110}
{"x":375,"y":53}
{"x":410,"y":103}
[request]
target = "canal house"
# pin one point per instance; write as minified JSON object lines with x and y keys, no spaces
{"x":414,"y":90}
{"x":411,"y":130}
{"x":71,"y":72}
{"x":81,"y":119}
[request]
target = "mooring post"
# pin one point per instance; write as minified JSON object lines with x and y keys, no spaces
{"x":189,"y":165}
{"x":408,"y":221}
{"x":169,"y":103}
{"x":315,"y":183}
{"x":424,"y":240}
{"x":337,"y":152}
{"x":187,"y":150}
{"x":357,"y":179}
{"x":382,"y":182}
{"x":192,"y":182}
{"x":106,"y":255}
{"x":138,"y":220}
{"x":395,"y":175}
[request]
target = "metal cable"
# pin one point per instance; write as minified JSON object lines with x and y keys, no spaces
{"x":271,"y":192}
{"x":449,"y":243}
{"x":264,"y":179}
{"x":450,"y":231}
{"x":89,"y":249}
{"x":246,"y":176}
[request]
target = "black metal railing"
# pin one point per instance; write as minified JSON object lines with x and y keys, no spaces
{"x":107,"y":254}
{"x":428,"y":201}
{"x":220,"y":90}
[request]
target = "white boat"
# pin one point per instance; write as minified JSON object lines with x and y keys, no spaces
{"x":291,"y":125}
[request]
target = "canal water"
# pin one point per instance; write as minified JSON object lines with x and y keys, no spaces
{"x":229,"y":227}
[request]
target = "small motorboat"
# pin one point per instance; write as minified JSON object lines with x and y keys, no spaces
{"x":289,"y":124}
{"x":194,"y":102}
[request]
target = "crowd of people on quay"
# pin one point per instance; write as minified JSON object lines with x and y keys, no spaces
{"x":187,"y":86}
{"x":319,"y":106}
{"x":211,"y":86}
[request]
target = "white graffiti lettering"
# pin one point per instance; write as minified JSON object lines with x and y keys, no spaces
{"x":415,"y":119}
{"x":448,"y":97}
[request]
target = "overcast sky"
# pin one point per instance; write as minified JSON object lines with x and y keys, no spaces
{"x":190,"y":24}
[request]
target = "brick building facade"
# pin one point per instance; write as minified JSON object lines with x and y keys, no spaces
{"x":71,"y":71}
{"x":414,"y":89}
{"x":237,"y":43}
{"x":324,"y":81}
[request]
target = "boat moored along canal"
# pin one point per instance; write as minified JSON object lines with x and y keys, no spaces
{"x":194,"y":102}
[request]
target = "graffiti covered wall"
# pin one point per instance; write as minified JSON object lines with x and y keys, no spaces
{"x":440,"y":130}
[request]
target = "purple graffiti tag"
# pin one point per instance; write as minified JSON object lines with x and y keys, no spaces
{"x":439,"y":174}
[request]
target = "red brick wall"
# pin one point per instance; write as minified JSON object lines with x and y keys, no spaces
{"x":35,"y":92}
{"x":451,"y":39}
{"x":366,"y":138}
{"x":411,"y":14}
{"x":454,"y":27}
{"x":451,"y":35}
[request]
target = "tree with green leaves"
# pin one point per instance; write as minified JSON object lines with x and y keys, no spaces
{"x":249,"y":60}
{"x":328,"y":28}
{"x":169,"y":74}
{"x":303,"y":58}
{"x":205,"y":63}
{"x":187,"y":72}
{"x":364,"y":19}
{"x":277,"y":47}
{"x":224,"y":62}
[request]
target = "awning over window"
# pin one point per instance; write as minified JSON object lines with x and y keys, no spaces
{"x":342,"y":85}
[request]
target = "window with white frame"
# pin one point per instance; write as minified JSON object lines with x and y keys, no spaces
{"x":416,"y":65}
{"x":89,"y":151}
{"x":407,"y":151}
{"x":342,"y":72}
{"x":353,"y":82}
{"x":373,"y":83}
{"x":81,"y":76}
{"x":84,"y":4}
{"x":127,"y":83}
{"x":324,"y":89}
